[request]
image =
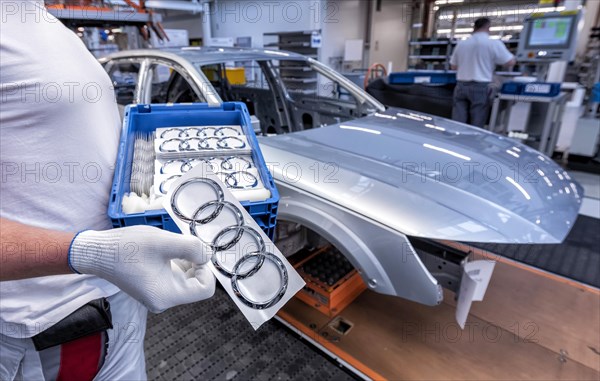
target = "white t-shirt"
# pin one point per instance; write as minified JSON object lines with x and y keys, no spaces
{"x":59,"y":133}
{"x":477,"y":57}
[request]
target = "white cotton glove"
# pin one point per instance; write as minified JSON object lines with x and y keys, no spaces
{"x":158,"y":268}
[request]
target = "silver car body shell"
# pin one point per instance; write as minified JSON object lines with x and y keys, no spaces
{"x":429,"y":177}
{"x":367,"y":197}
{"x":367,"y":184}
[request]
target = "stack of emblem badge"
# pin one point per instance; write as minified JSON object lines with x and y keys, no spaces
{"x":237,"y":172}
{"x":179,"y":149}
{"x":175,"y":142}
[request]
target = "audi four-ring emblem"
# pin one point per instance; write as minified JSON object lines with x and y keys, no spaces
{"x":249,"y":264}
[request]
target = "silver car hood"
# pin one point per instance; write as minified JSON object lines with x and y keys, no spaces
{"x":431,"y":177}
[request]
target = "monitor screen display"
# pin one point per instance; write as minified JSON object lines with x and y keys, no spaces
{"x":550,"y":31}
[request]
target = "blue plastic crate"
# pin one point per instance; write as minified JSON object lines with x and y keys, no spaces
{"x":596,"y":93}
{"x":542,"y":89}
{"x":147,"y":118}
{"x":512,"y":88}
{"x":539,"y":89}
{"x":424,"y":77}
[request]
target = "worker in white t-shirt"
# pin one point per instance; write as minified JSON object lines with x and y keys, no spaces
{"x":475,"y":60}
{"x":59,"y":134}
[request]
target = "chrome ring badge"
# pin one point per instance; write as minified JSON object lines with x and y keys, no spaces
{"x":175,"y":196}
{"x":168,"y":131}
{"x":232,"y":181}
{"x":185,"y":133}
{"x":162,"y":147}
{"x":191,"y":163}
{"x":206,"y":142}
{"x":218,"y":205}
{"x":219,"y":131}
{"x":237,"y":277}
{"x":186,"y":144}
{"x":227,"y":165}
{"x":179,"y":163}
{"x":203,"y":132}
{"x":161,"y":187}
{"x":224,"y":142}
{"x":239,"y":230}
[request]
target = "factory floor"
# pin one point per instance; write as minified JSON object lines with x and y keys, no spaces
{"x":211,"y":340}
{"x":591,"y":192}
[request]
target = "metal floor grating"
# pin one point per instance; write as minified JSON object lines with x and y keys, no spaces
{"x":211,"y":340}
{"x":577,"y":258}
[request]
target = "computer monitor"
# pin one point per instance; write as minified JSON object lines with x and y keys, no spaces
{"x":549,"y":37}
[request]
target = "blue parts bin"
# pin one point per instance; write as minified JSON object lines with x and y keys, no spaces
{"x":596,"y":93}
{"x":538,"y":89}
{"x":424,"y":77}
{"x":146,"y":119}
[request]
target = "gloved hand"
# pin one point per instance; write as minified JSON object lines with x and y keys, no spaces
{"x":158,"y":268}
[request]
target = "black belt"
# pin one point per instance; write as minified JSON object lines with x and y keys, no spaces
{"x":91,"y":318}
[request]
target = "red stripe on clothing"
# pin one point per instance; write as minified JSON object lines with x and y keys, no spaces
{"x":79,"y":359}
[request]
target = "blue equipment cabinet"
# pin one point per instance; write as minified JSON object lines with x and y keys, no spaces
{"x":536,"y":89}
{"x":424,"y":77}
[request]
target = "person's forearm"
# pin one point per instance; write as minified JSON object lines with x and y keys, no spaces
{"x":28,"y":252}
{"x":510,"y":64}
